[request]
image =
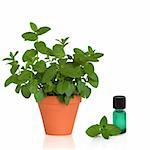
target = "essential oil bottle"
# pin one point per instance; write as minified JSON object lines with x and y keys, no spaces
{"x":119,"y":115}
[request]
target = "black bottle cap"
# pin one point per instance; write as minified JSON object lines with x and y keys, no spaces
{"x":119,"y":102}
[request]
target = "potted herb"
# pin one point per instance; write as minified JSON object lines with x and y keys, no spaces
{"x":57,"y":80}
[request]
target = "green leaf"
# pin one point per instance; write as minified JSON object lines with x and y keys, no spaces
{"x":25,"y":75}
{"x":89,"y":68}
{"x":65,"y":87}
{"x":30,"y":36}
{"x":41,"y":47}
{"x":87,"y":92}
{"x":72,"y":71}
{"x":93,"y":79}
{"x":62,"y":62}
{"x":29,"y":55}
{"x":113,"y":129}
{"x":78,"y":51}
{"x":39,"y":95}
{"x":103,"y":121}
{"x":79,"y":56}
{"x":94,"y":57}
{"x":33,"y":26}
{"x":61,"y":98}
{"x":93,"y":83}
{"x":25,"y":91}
{"x":7,"y":59}
{"x":48,"y":87}
{"x":11,"y":55}
{"x":43,"y":30}
{"x":103,"y":128}
{"x":80,"y":86}
{"x":16,"y":53}
{"x":58,"y":51}
{"x":40,"y":66}
{"x":67,"y":100}
{"x":90,"y":50}
{"x":11,"y":79}
{"x":18,"y":88}
{"x":63,"y":41}
{"x":60,"y":87}
{"x":68,"y":88}
{"x":105,"y":134}
{"x":84,"y":90}
{"x":98,"y":55}
{"x":93,"y":130}
{"x":49,"y":74}
{"x":14,"y":67}
{"x":33,"y":86}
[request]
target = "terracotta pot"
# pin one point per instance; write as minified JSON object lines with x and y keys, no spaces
{"x":58,"y":118}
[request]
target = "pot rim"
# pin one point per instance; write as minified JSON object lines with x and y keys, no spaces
{"x":54,"y":100}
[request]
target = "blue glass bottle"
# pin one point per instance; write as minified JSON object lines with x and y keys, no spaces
{"x":119,"y":115}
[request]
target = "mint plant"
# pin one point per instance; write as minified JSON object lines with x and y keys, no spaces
{"x":57,"y":74}
{"x":103,"y":128}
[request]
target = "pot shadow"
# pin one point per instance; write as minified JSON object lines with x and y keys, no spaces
{"x":58,"y":142}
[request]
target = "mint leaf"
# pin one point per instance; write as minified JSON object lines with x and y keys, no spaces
{"x":67,"y":100}
{"x":16,"y":53}
{"x":33,"y":26}
{"x":25,"y":91}
{"x":58,"y":51}
{"x":60,"y":87}
{"x":30,"y":36}
{"x":103,"y":128}
{"x":18,"y":88}
{"x":86,"y":91}
{"x":72,"y":71}
{"x":94,"y":57}
{"x":105,"y":134}
{"x":79,"y":56}
{"x":103,"y":121}
{"x":48,"y":87}
{"x":49,"y":74}
{"x":11,"y":79}
{"x":7,"y":59}
{"x":89,"y":68}
{"x":25,"y":75}
{"x":93,"y":79}
{"x":33,"y":86}
{"x":90,"y":50}
{"x":40,"y":66}
{"x":69,"y":88}
{"x":80,"y":86}
{"x":43,"y":30}
{"x":39,"y":95}
{"x":29,"y":55}
{"x":98,"y":55}
{"x":93,"y":130}
{"x":41,"y":47}
{"x":65,"y":87}
{"x":112,"y":129}
{"x":14,"y":67}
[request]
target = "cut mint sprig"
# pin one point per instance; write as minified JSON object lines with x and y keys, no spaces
{"x":103,"y":128}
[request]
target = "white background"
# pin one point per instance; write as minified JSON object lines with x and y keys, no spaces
{"x":118,"y":28}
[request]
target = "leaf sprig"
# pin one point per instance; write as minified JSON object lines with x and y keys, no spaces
{"x":57,"y":74}
{"x":103,"y":128}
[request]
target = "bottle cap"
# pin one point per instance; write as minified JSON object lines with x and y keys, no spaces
{"x":119,"y":102}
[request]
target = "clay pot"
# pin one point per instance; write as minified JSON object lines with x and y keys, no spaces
{"x":58,"y":118}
